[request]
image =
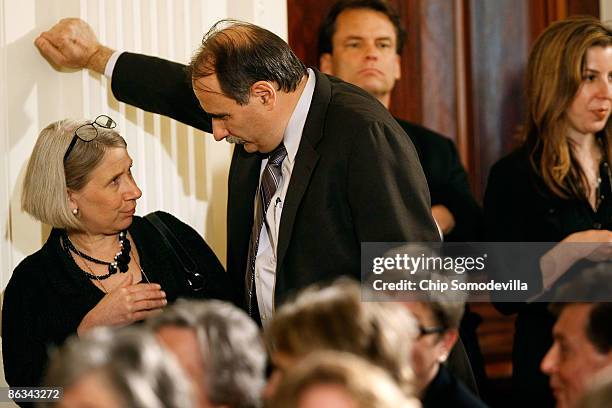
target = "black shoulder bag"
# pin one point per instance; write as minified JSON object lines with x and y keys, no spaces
{"x":195,"y":280}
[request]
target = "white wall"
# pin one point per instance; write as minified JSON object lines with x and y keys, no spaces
{"x":605,"y":10}
{"x":179,"y":170}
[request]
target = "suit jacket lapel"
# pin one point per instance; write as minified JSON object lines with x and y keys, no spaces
{"x":305,"y":163}
{"x":243,"y":182}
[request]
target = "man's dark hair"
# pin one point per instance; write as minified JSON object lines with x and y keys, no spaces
{"x":328,"y":26}
{"x":592,"y":286}
{"x":241,"y":54}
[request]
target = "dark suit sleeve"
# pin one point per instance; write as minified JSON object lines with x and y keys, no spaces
{"x":387,"y":190}
{"x":458,"y":198}
{"x":159,"y":86}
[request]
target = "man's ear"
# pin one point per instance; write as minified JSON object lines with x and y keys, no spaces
{"x":325,"y":64}
{"x":398,"y":67}
{"x":264,"y":92}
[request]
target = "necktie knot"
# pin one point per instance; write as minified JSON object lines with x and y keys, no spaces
{"x":277,"y":155}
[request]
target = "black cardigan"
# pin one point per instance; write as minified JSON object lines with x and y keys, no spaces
{"x":520,"y":208}
{"x":446,"y":391}
{"x":48,"y":295}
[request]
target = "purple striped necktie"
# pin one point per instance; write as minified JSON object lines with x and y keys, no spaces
{"x":270,"y":180}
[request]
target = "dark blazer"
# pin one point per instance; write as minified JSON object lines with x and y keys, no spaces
{"x":356,"y":178}
{"x":48,"y":295}
{"x":520,"y":208}
{"x":445,"y":391}
{"x":448,"y":181}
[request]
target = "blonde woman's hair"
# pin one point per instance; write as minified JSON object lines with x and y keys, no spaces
{"x":554,"y":74}
{"x":368,"y":386}
{"x":48,"y":177}
{"x":335,"y":318}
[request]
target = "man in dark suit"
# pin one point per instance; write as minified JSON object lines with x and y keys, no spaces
{"x":319,"y":166}
{"x":360,"y":42}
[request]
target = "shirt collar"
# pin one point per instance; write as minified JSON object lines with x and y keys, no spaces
{"x":295,"y":126}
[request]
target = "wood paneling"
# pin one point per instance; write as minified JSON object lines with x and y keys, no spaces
{"x":499,"y":47}
{"x":462,"y":66}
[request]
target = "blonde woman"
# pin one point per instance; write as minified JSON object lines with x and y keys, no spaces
{"x":339,"y":380}
{"x":556,"y":187}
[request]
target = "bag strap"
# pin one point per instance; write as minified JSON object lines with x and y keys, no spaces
{"x":174,"y":244}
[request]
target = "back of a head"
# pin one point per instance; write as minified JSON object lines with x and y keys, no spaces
{"x":241,"y":54}
{"x":136,"y":369}
{"x":446,"y":306}
{"x":48,"y":177}
{"x":367,"y":385}
{"x":335,"y":318}
{"x":231,"y":347}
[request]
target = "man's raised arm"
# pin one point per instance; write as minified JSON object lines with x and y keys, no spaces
{"x":150,"y":83}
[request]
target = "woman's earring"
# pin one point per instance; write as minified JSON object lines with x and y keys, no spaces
{"x":75,"y":211}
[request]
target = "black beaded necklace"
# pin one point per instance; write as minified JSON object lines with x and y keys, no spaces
{"x":120,"y":263}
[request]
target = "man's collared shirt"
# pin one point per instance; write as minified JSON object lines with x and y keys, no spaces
{"x":265,"y":263}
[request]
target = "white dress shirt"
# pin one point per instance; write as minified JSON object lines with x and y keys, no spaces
{"x":265,"y":263}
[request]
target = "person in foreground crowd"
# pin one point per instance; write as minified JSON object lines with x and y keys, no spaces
{"x":335,"y":318}
{"x":337,"y":166}
{"x":220,"y":349}
{"x":556,"y":187}
{"x":438,"y":314}
{"x":360,"y":42}
{"x":124,"y":368}
{"x":101,"y":265}
{"x":438,"y":332}
{"x":582,"y":335}
{"x":339,"y":380}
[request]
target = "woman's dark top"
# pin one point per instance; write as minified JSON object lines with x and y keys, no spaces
{"x":446,"y":391}
{"x":520,"y":208}
{"x":48,"y":295}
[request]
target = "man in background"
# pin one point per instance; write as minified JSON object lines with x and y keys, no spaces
{"x":582,"y":335}
{"x":360,"y":42}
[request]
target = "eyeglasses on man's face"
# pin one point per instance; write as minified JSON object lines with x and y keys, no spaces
{"x":424,"y":331}
{"x":89,"y":131}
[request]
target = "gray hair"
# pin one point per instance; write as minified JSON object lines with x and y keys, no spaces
{"x":446,"y":306}
{"x":231,"y":347}
{"x":140,"y":372}
{"x":48,"y":178}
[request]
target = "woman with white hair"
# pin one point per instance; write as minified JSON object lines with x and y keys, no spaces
{"x":101,"y":265}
